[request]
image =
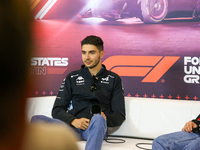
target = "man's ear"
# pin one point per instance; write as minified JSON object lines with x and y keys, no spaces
{"x":102,"y":53}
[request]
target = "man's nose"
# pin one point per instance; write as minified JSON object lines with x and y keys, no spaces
{"x":87,"y":56}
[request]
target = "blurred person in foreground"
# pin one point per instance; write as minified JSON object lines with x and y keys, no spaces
{"x":16,"y":46}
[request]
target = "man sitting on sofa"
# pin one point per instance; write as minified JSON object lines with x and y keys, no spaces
{"x":187,"y":139}
{"x":96,"y":96}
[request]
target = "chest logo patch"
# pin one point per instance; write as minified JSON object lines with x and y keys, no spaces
{"x":105,"y":80}
{"x":80,"y":81}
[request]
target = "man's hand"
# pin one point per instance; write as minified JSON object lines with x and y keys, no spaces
{"x":82,"y":123}
{"x":189,"y":126}
{"x":102,"y":113}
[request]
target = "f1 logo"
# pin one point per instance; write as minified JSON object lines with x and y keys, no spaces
{"x":150,"y":67}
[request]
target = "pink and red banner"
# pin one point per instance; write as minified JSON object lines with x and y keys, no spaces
{"x":156,"y":60}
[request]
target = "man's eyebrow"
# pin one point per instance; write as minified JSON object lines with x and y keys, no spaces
{"x":92,"y":51}
{"x":88,"y":51}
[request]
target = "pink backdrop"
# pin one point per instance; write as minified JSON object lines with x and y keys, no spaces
{"x":154,"y":60}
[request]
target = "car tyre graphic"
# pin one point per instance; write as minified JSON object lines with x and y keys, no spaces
{"x":154,"y":11}
{"x":196,"y":12}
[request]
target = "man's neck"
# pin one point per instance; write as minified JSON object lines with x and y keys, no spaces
{"x":94,"y":71}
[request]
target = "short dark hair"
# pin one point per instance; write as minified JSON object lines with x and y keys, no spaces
{"x":93,"y":40}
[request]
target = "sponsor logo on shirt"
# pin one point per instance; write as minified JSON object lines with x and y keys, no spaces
{"x":72,"y":76}
{"x":62,"y":86}
{"x":106,"y":79}
{"x":80,"y":81}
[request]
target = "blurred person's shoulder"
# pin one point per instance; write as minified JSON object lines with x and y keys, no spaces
{"x":42,"y":136}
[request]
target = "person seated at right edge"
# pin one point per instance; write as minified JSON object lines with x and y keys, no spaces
{"x":187,"y":139}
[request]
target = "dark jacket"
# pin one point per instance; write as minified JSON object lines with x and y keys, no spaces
{"x":197,"y":121}
{"x":75,"y":92}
